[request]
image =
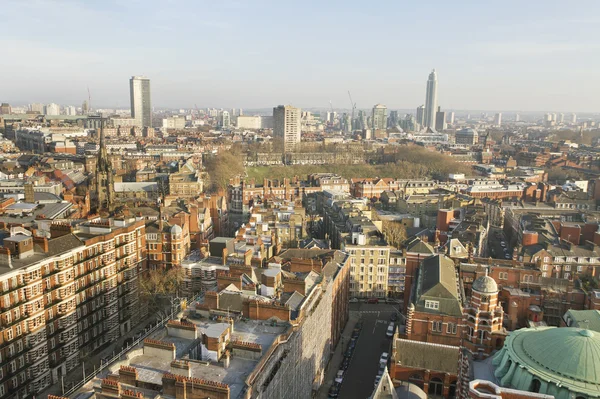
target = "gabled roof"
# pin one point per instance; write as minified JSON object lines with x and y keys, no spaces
{"x":419,"y":246}
{"x":437,"y":281}
{"x":426,"y":355}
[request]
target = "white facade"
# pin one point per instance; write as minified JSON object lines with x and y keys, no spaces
{"x":174,"y":122}
{"x":431,"y":100}
{"x":249,"y":122}
{"x":141,"y":106}
{"x":52,"y":109}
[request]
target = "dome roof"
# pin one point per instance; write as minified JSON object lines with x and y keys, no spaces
{"x":575,"y":353}
{"x":565,"y":360}
{"x":485,"y":285}
{"x":176,"y":230}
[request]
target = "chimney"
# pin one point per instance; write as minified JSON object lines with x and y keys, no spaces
{"x":225,"y":253}
{"x":248,"y":258}
{"x":42,"y":242}
{"x":60,"y":229}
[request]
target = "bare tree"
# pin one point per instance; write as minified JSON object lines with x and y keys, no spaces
{"x":394,"y":233}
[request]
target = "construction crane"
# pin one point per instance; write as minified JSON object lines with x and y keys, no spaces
{"x":353,"y":104}
{"x":89,"y":99}
{"x":197,"y":111}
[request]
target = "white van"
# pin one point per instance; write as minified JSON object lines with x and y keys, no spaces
{"x":390,"y":331}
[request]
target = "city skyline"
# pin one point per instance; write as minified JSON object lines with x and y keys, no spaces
{"x":511,"y":63}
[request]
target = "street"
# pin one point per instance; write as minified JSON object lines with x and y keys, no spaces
{"x":495,"y":239}
{"x":372,"y":342}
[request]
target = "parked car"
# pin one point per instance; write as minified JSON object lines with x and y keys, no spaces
{"x":352,"y":343}
{"x":346,"y":363}
{"x":384,"y":358}
{"x":355,"y":333}
{"x":358,"y":325}
{"x":354,"y":300}
{"x":372,"y":300}
{"x":507,"y":256}
{"x":390,"y":330}
{"x":348,"y":352}
{"x":377,"y":379}
{"x":339,"y":377}
{"x":394,"y":317}
{"x":502,"y":244}
{"x":334,"y":391}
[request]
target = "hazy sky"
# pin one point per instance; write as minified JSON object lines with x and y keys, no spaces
{"x":504,"y":55}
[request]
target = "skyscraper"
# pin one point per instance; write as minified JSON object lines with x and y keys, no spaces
{"x":379,"y":117}
{"x":440,"y":120}
{"x":517,"y":118}
{"x":394,"y":119}
{"x":141,"y":106}
{"x":431,"y":100}
{"x":573,"y":118}
{"x":224,"y":120}
{"x":85,"y":108}
{"x":286,"y":124}
{"x":451,"y":118}
{"x":421,"y":115}
{"x":37,"y":107}
{"x":498,"y":119}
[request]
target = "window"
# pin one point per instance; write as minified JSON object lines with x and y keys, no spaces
{"x":451,"y":328}
{"x":485,"y":299}
{"x":435,"y":305}
{"x":9,"y":334}
{"x":567,"y":268}
{"x":567,"y":276}
{"x":579,"y":269}
{"x":436,"y":326}
{"x":544,"y":267}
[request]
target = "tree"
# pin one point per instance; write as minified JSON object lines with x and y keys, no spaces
{"x":394,"y":233}
{"x":224,"y":166}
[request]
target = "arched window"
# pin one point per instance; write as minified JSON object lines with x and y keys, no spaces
{"x":452,"y":390}
{"x":535,"y":385}
{"x":485,"y":299}
{"x":436,"y":387}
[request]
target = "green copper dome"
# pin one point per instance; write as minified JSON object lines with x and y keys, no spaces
{"x":569,"y":352}
{"x":556,"y":361}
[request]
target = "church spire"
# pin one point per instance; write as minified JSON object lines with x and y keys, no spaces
{"x":104,"y":176}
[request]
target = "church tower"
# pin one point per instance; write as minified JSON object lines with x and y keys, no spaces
{"x":105,"y":181}
{"x":483,"y":319}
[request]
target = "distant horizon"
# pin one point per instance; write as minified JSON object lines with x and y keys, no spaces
{"x":324,"y":109}
{"x":536,"y":56}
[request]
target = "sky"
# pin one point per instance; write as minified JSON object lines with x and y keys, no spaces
{"x":499,"y":56}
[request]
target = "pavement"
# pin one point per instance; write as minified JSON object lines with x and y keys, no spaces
{"x":372,"y":342}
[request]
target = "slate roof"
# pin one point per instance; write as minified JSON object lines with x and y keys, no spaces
{"x":437,"y":281}
{"x":588,"y":319}
{"x":427,"y":356}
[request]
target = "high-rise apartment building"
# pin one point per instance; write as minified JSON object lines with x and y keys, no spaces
{"x":141,"y":105}
{"x":451,"y":118}
{"x":52,"y":109}
{"x":573,"y":118}
{"x":431,"y":100}
{"x":286,"y":124}
{"x":440,"y":120}
{"x":498,"y":119}
{"x":517,"y":117}
{"x":394,"y":119}
{"x":421,"y":115}
{"x":70,"y":110}
{"x":65,"y":296}
{"x":224,"y":120}
{"x":379,"y":117}
{"x":37,"y":107}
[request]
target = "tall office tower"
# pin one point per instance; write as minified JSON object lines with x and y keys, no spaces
{"x":37,"y":107}
{"x":451,"y":118}
{"x":286,"y":124}
{"x":431,"y":100}
{"x":379,"y":117}
{"x":85,"y":108}
{"x":240,"y":112}
{"x":440,"y":120}
{"x":141,"y":105}
{"x":554,"y":117}
{"x":233,"y":112}
{"x":498,"y":119}
{"x":573,"y":118}
{"x":394,"y":119}
{"x":347,"y":123}
{"x":53,"y":109}
{"x":224,"y":120}
{"x":421,"y":115}
{"x":561,"y":118}
{"x":517,"y":118}
{"x":408,"y":124}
